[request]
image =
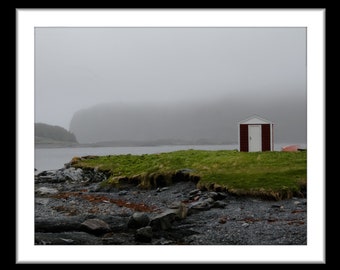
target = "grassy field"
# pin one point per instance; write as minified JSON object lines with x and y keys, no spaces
{"x":272,"y":175}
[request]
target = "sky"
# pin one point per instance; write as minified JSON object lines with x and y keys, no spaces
{"x":259,"y":69}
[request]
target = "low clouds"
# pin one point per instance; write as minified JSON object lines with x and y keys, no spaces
{"x":186,"y":82}
{"x":212,"y":122}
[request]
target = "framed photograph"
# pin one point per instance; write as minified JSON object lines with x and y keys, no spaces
{"x":170,"y":135}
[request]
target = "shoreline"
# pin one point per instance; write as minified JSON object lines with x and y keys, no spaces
{"x":80,"y":212}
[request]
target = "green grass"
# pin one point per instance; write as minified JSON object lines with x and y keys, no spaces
{"x":272,"y":175}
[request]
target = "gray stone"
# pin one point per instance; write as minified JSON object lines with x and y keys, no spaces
{"x":144,"y":234}
{"x":219,"y":204}
{"x":182,"y":211}
{"x":194,"y":192}
{"x":138,"y":220}
{"x":164,"y":220}
{"x":95,"y":226}
{"x":42,"y":201}
{"x":58,"y":224}
{"x":122,"y":192}
{"x":46,"y":191}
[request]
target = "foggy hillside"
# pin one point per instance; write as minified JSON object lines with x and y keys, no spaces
{"x":212,"y":122}
{"x":44,"y":132}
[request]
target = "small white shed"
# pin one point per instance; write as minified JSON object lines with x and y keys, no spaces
{"x":255,"y":134}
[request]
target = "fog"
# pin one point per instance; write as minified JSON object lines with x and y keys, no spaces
{"x":109,"y":84}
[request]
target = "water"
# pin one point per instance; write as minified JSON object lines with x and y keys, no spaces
{"x":55,"y":158}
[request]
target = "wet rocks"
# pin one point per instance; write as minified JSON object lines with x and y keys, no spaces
{"x":69,"y":174}
{"x":74,"y":211}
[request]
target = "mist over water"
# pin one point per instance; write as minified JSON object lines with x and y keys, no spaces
{"x":212,"y":122}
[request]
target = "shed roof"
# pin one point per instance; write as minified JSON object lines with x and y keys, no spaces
{"x":255,"y":119}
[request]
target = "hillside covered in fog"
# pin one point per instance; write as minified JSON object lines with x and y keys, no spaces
{"x":210,"y":122}
{"x":49,"y":134}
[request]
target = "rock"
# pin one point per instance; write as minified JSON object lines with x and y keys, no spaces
{"x":46,"y":191}
{"x":138,"y":220}
{"x":182,"y":211}
{"x":59,"y":224}
{"x":95,"y":226}
{"x":219,"y":204}
{"x":122,"y":192}
{"x":200,"y":206}
{"x":194,"y":192}
{"x":42,"y":201}
{"x":69,"y":173}
{"x":72,"y":174}
{"x":116,"y":223}
{"x":164,"y":220}
{"x":144,"y":234}
{"x":66,"y":238}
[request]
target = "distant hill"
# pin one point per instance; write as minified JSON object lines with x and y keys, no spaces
{"x":48,"y":134}
{"x":187,"y":122}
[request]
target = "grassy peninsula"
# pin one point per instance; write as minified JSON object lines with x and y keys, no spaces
{"x":271,"y":175}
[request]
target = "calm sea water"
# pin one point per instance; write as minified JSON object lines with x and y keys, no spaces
{"x":55,"y":158}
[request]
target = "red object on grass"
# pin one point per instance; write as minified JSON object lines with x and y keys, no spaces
{"x":290,"y":148}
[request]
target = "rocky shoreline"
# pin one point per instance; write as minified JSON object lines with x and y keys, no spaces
{"x":71,"y":208}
